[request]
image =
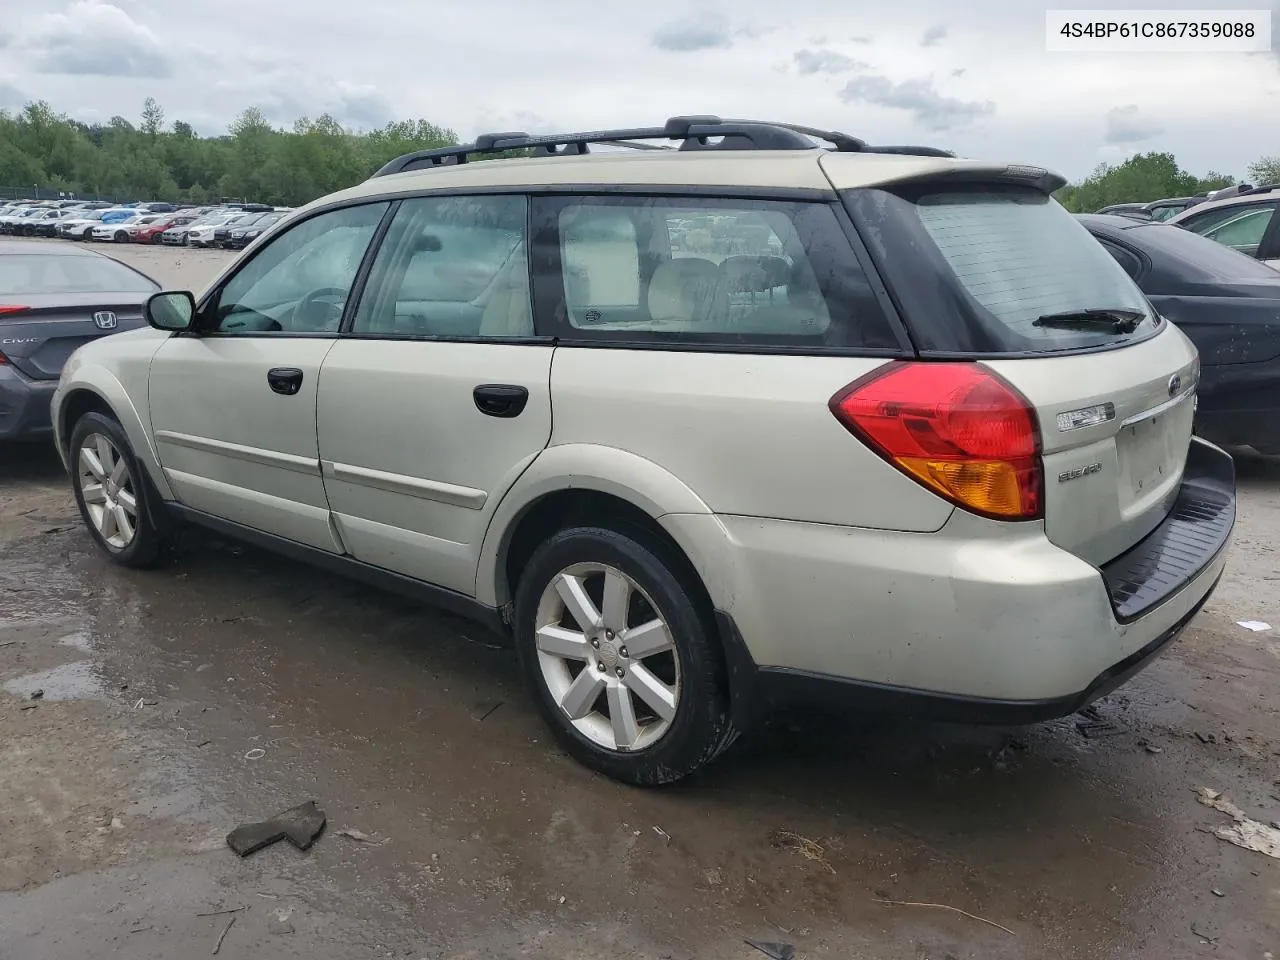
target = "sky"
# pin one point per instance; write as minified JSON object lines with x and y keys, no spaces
{"x":971,"y":77}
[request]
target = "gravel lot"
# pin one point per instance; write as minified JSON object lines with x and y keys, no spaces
{"x":117,"y":789}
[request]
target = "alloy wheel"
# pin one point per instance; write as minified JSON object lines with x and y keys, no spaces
{"x":107,"y":487}
{"x":608,"y":657}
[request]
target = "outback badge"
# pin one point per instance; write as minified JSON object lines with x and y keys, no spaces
{"x":1079,"y":472}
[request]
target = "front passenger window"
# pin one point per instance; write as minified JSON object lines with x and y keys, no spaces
{"x":300,"y":281}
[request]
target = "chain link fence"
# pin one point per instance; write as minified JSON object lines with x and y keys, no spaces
{"x":37,"y":192}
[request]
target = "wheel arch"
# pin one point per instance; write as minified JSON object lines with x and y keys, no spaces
{"x":601,"y":485}
{"x":96,"y":389}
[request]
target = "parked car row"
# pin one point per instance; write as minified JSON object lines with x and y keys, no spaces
{"x":1242,"y":217}
{"x":1227,"y":304}
{"x":1170,"y":207}
{"x":229,"y":226}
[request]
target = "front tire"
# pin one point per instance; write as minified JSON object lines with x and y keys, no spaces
{"x":621,"y":656}
{"x":112,"y":492}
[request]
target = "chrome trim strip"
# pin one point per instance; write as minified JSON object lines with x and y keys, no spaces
{"x":1159,"y":408}
{"x":267,"y":458}
{"x":467,"y":497}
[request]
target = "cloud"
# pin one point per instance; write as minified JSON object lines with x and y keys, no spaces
{"x":1124,"y":125}
{"x":94,"y":39}
{"x":825,"y":61}
{"x":861,"y":39}
{"x":958,"y":72}
{"x":934,"y":35}
{"x":1275,"y":31}
{"x":359,"y":106}
{"x":930,"y":109}
{"x":528,"y":121}
{"x":703,"y":31}
{"x":11,"y":98}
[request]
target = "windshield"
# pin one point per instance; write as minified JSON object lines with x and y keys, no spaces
{"x":1014,"y":271}
{"x":33,"y":273}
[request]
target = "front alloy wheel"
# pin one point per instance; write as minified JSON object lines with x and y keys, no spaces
{"x":113,"y":494}
{"x":106,"y":486}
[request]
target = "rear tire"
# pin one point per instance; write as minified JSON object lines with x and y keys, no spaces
{"x":649,"y":715}
{"x":116,"y":499}
{"x":121,"y":236}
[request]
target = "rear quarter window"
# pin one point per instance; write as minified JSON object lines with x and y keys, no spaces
{"x":975,"y":267}
{"x":715,"y":272}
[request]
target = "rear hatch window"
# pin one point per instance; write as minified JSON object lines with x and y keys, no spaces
{"x":993,"y":270}
{"x":71,"y":274}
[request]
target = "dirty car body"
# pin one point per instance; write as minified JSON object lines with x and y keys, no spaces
{"x":687,"y":426}
{"x":1229,"y":305}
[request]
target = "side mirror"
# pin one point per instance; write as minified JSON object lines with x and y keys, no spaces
{"x":171,"y":310}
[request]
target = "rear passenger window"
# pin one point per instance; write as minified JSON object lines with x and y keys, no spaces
{"x":732,"y":272}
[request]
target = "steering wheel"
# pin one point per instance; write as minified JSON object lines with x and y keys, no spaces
{"x":316,"y":297}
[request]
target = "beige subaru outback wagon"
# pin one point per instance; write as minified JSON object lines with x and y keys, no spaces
{"x":714,"y":417}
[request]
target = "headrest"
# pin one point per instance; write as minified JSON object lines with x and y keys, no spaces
{"x":754,"y":274}
{"x":682,"y":289}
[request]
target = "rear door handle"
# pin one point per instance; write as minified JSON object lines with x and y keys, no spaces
{"x":500,"y":399}
{"x":285,"y":380}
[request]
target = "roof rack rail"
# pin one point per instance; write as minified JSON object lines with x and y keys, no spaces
{"x":844,"y":143}
{"x":693,"y":132}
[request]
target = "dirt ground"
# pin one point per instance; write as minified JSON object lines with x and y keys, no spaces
{"x":160,"y":689}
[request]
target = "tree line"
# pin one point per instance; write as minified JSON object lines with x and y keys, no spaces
{"x":155,"y":160}
{"x":1152,"y":176}
{"x":254,"y":160}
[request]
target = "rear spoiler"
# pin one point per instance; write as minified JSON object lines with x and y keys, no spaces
{"x":1016,"y":174}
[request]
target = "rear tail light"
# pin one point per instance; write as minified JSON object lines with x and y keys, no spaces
{"x":958,"y":428}
{"x":10,"y":308}
{"x":3,"y":359}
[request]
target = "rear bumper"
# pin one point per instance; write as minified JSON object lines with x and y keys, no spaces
{"x":24,"y":405}
{"x":758,"y":688}
{"x":978,"y":621}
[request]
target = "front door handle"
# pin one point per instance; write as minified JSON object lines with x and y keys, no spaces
{"x":285,"y":380}
{"x":500,"y":399}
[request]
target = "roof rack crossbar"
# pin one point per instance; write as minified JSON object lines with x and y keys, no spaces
{"x":692,"y":132}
